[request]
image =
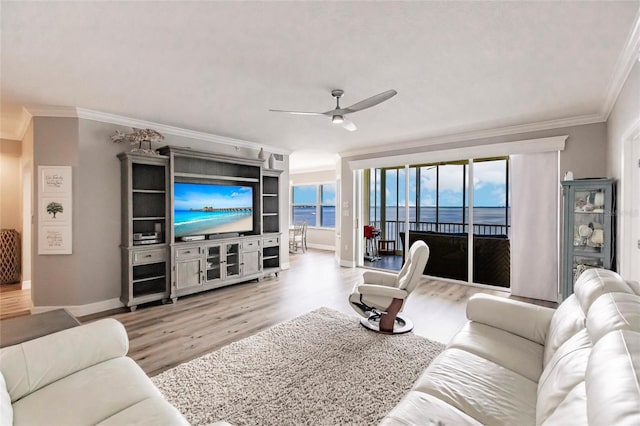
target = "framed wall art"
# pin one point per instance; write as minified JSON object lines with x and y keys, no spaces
{"x":55,"y":210}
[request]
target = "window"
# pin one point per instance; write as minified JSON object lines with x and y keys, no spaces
{"x":439,"y":197}
{"x":491,"y":213}
{"x":310,"y":202}
{"x":304,"y":201}
{"x":450,"y":201}
{"x":374,"y":196}
{"x":328,"y":210}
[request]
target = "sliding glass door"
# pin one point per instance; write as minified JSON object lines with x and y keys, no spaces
{"x":439,"y":201}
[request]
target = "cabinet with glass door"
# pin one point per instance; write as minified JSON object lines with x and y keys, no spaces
{"x":588,"y":234}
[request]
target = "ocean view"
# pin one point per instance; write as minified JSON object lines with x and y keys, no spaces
{"x":202,"y":222}
{"x":482,"y":215}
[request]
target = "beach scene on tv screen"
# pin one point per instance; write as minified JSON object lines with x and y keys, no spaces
{"x":201,"y":209}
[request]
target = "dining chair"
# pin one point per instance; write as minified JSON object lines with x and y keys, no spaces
{"x":297,"y":236}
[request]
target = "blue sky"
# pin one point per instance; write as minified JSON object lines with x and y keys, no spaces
{"x":197,"y":196}
{"x":307,"y":194}
{"x":489,"y":185}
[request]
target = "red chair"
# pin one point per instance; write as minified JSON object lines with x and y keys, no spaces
{"x":371,"y":234}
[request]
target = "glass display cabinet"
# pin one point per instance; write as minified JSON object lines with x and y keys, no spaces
{"x":588,"y":233}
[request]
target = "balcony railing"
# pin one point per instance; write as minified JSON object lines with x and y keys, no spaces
{"x":392,"y":229}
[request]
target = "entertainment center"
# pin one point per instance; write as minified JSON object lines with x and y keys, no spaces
{"x":194,"y":221}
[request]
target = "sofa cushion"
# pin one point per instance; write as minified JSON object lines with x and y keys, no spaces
{"x":418,"y":408}
{"x":572,"y":410}
{"x":524,"y":319}
{"x":31,"y":365}
{"x":565,"y":370}
{"x":89,"y":396}
{"x":593,"y":283}
{"x":613,"y":311}
{"x":484,"y":390}
{"x":501,"y":347}
{"x":613,"y":380}
{"x":6,"y":411}
{"x":566,"y":321}
{"x":151,"y":411}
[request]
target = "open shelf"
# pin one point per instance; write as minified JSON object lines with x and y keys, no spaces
{"x":148,"y":177}
{"x":270,"y":185}
{"x":153,"y":277}
{"x":145,"y":209}
{"x":152,"y":286}
{"x":148,"y":191}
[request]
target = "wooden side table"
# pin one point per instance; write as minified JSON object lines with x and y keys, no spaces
{"x":387,"y":247}
{"x":21,"y":329}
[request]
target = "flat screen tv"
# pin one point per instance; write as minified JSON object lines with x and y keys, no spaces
{"x":211,"y":208}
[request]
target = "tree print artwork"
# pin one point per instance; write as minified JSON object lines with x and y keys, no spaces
{"x":54,"y":208}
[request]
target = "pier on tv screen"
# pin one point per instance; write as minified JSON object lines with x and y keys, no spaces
{"x":203,"y":209}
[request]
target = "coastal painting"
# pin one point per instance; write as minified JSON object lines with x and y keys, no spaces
{"x":203,"y":209}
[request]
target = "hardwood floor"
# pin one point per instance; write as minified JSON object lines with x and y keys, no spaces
{"x":14,"y":301}
{"x":163,"y":336}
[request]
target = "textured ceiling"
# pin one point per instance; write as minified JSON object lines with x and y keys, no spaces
{"x":218,"y":67}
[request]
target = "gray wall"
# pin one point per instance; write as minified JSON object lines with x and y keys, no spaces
{"x":56,"y":279}
{"x":317,"y":237}
{"x":585,"y":155}
{"x":92,"y":273}
{"x":625,"y":114}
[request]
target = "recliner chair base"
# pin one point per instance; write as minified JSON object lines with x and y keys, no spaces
{"x":400,"y":325}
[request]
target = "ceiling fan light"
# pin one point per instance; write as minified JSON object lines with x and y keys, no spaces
{"x":338,"y":119}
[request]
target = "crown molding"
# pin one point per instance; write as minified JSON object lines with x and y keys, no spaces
{"x":17,"y":127}
{"x":627,"y":59}
{"x":479,"y":134}
{"x":326,"y":168}
{"x":89,"y":114}
{"x":52,"y":111}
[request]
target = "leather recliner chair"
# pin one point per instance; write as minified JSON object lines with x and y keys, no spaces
{"x":381,"y":297}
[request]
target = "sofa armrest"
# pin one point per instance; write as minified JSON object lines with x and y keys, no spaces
{"x":519,"y":318}
{"x":34,"y":364}
{"x":380,"y":278}
{"x":382,"y":291}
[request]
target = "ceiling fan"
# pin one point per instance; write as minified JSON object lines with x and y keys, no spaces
{"x":338,"y":114}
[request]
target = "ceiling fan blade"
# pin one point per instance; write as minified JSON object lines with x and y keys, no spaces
{"x":297,"y":112}
{"x":372,"y":101}
{"x":348,"y":125}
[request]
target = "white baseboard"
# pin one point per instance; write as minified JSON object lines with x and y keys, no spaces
{"x":347,"y":263}
{"x":322,"y":247}
{"x":26,"y":285}
{"x":82,"y":310}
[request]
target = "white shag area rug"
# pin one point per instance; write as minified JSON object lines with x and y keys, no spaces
{"x":322,"y":368}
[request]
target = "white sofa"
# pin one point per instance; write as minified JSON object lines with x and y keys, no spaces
{"x":79,"y":376}
{"x":518,"y":364}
